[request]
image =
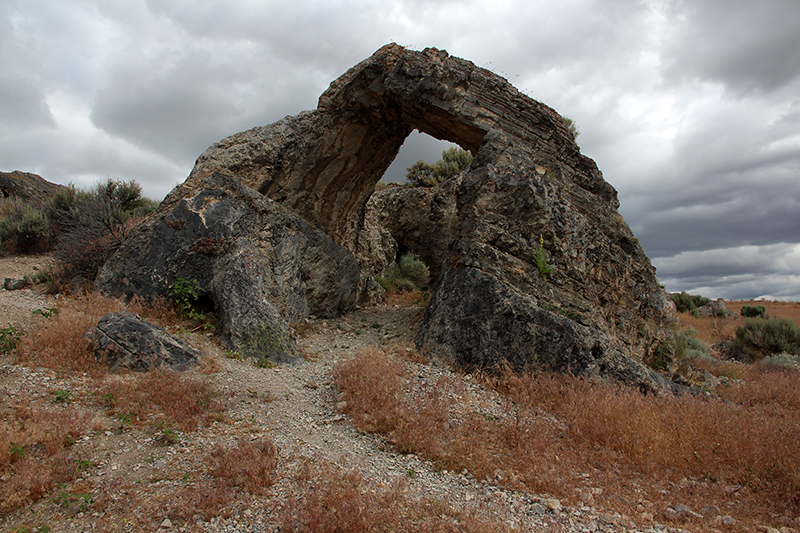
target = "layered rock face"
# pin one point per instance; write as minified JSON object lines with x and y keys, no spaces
{"x":600,"y":308}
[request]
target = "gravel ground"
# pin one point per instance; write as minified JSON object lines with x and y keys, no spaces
{"x":294,"y":407}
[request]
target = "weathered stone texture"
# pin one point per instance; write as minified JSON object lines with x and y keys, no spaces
{"x":261,"y":266}
{"x":124,"y":340}
{"x":26,"y":186}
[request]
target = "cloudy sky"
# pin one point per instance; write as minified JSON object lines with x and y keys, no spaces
{"x":691,"y":108}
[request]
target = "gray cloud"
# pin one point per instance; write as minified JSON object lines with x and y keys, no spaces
{"x":746,"y":46}
{"x":690,"y":108}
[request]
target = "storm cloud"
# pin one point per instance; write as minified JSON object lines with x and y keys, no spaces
{"x":690,"y":108}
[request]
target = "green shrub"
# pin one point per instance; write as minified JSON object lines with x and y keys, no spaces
{"x":9,"y":338}
{"x":688,"y":303}
{"x":781,"y":362}
{"x":688,"y":346}
{"x":26,"y":228}
{"x":91,"y":226}
{"x":753,"y":311}
{"x":758,"y":338}
{"x":453,"y":161}
{"x":660,"y":357}
{"x":410,"y":267}
{"x":409,"y":274}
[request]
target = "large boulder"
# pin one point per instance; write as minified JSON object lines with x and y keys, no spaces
{"x":260,"y":266}
{"x":527,"y":187}
{"x":124,"y":340}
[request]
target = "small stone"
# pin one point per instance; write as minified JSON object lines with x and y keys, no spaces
{"x":728,"y":520}
{"x":166,"y":524}
{"x":14,"y":284}
{"x":538,"y":508}
{"x":553,"y":504}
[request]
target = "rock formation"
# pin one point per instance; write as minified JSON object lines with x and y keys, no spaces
{"x":599,"y":311}
{"x":258,"y":264}
{"x":26,"y":186}
{"x":124,"y":340}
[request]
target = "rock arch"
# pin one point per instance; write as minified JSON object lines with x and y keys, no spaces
{"x":600,"y":311}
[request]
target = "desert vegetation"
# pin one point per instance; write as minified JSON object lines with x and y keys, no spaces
{"x":453,"y":161}
{"x":409,"y":274}
{"x":587,"y":441}
{"x":722,"y":457}
{"x":82,"y":228}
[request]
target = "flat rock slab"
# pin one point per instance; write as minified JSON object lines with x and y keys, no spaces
{"x":124,"y":340}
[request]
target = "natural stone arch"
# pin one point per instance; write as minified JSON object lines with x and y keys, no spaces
{"x":601,"y":311}
{"x":324,"y":164}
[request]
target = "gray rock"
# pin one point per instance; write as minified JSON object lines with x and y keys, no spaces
{"x":714,"y":308}
{"x":27,"y":186}
{"x":418,"y":219}
{"x":124,"y":340}
{"x":258,"y":264}
{"x":11,"y":284}
{"x":479,"y":322}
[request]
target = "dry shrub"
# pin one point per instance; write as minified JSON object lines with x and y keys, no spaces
{"x":334,"y":500}
{"x":250,"y":465}
{"x":60,"y":343}
{"x":559,"y":433}
{"x":161,"y":395}
{"x":160,"y":310}
{"x":206,"y":499}
{"x":33,"y":455}
{"x":372,"y":384}
{"x":405,"y":298}
{"x":706,"y":441}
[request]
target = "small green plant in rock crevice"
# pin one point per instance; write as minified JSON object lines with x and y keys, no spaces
{"x":186,"y":293}
{"x":542,"y":259}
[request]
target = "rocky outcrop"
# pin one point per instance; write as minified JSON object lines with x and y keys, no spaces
{"x":716,"y":308}
{"x":477,"y":321}
{"x":26,"y":186}
{"x":124,"y":340}
{"x":421,"y":220}
{"x":258,"y":264}
{"x":600,"y":310}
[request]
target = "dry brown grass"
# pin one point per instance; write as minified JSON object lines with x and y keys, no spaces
{"x":160,"y":396}
{"x":332,"y":500}
{"x":60,"y":343}
{"x":790,"y":310}
{"x":566,"y":436}
{"x":250,"y":465}
{"x":714,"y":329}
{"x":404,"y":298}
{"x":34,"y":455}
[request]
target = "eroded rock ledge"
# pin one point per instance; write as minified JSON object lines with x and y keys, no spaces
{"x":599,"y":310}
